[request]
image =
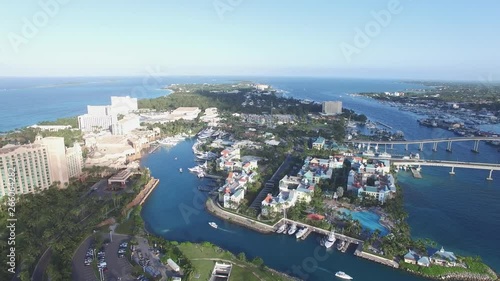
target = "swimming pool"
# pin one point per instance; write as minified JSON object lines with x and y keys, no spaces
{"x":368,"y":220}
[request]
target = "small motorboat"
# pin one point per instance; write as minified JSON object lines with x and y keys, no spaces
{"x":343,"y":275}
{"x":180,"y":170}
{"x":213,"y":224}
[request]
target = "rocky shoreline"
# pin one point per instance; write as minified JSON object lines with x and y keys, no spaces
{"x":459,"y":276}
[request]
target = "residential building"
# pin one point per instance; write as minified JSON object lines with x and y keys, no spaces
{"x":411,"y":257}
{"x":332,"y":107}
{"x":319,"y":143}
{"x":233,"y":199}
{"x":424,"y":261}
{"x":233,"y":191}
{"x":444,"y":258}
{"x":381,"y":193}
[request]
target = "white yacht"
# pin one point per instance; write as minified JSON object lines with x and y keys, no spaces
{"x":196,"y":169}
{"x":281,"y":229}
{"x":301,"y":232}
{"x":213,"y":224}
{"x":330,"y":240}
{"x":180,"y":170}
{"x":340,"y":245}
{"x":292,"y":229}
{"x":343,"y":275}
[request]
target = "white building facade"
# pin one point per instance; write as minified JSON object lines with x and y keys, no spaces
{"x":332,"y":107}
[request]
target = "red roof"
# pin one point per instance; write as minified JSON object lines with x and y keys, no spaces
{"x":315,"y":217}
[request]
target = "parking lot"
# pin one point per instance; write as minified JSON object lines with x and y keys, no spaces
{"x":116,"y":268}
{"x":80,"y":271}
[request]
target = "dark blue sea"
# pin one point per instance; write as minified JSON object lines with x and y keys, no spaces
{"x":460,"y":212}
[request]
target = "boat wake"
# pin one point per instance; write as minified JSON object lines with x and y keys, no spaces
{"x":325,"y":270}
{"x":226,"y":230}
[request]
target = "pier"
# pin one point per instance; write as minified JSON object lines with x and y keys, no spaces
{"x":416,"y":173}
{"x":378,"y":259}
{"x":384,"y":125}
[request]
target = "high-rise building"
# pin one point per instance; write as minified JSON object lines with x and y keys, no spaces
{"x":89,"y":123}
{"x":105,"y":117}
{"x":332,"y":107}
{"x":57,"y":158}
{"x":74,"y":158}
{"x":24,"y":169}
{"x":32,"y":167}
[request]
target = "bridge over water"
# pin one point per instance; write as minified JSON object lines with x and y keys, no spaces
{"x":452,"y":164}
{"x":421,"y":143}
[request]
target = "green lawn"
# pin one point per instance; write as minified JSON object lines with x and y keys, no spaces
{"x":435,"y":270}
{"x":126,"y":227}
{"x":242,"y":270}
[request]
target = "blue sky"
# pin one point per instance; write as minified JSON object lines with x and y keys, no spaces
{"x":422,"y":40}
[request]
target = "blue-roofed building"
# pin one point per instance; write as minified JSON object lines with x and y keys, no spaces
{"x":424,"y":261}
{"x":444,"y":258}
{"x":411,"y":257}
